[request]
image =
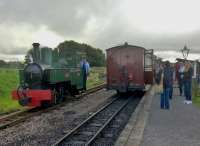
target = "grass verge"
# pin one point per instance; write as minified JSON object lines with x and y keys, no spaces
{"x":96,"y":77}
{"x":196,"y":93}
{"x":9,"y":80}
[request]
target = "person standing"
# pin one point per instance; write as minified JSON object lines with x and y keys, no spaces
{"x":86,"y":69}
{"x":172,"y":80}
{"x":158,"y":79}
{"x":167,"y":85}
{"x":188,"y":82}
{"x":180,"y":77}
{"x":158,"y":73}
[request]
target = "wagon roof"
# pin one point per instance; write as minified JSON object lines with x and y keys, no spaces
{"x":125,"y":45}
{"x":180,"y":59}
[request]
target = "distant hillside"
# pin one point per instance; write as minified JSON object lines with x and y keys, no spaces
{"x":11,"y":64}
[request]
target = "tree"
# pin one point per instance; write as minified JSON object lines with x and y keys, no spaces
{"x":3,"y":63}
{"x":95,"y":56}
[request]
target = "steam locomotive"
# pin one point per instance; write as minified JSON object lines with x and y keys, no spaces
{"x":49,"y":76}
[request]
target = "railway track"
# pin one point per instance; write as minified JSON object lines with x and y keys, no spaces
{"x":98,"y":128}
{"x":20,"y":116}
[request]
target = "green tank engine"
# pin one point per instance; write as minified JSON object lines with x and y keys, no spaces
{"x":49,"y":76}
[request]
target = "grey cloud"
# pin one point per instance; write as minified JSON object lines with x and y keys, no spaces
{"x":65,"y":17}
{"x":118,"y":34}
{"x":70,"y":18}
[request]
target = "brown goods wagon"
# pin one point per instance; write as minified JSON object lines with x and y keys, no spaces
{"x":126,"y":68}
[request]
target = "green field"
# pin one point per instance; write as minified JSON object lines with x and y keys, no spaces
{"x":9,"y":80}
{"x":96,"y":77}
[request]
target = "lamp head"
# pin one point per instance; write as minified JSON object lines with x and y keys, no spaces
{"x":185,"y":51}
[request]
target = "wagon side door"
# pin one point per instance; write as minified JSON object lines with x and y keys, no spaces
{"x":132,"y":71}
{"x":148,"y":66}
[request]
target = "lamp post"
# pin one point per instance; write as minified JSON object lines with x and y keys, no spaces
{"x":185,"y":51}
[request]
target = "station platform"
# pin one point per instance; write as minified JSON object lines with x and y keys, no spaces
{"x":151,"y":126}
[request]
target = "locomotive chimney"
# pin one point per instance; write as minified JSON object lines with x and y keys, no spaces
{"x":126,"y":44}
{"x":36,"y":45}
{"x":36,"y":52}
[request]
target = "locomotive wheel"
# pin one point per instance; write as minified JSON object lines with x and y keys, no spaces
{"x":74,"y":91}
{"x":45,"y":104}
{"x":56,"y":95}
{"x":61,"y":94}
{"x":24,"y":101}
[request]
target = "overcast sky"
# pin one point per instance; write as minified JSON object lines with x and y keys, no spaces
{"x":163,"y":25}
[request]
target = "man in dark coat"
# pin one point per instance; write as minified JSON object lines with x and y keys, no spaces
{"x":167,"y":85}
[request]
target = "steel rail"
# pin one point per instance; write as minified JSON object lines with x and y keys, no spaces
{"x":73,"y":131}
{"x":83,"y":123}
{"x":107,"y":123}
{"x":13,"y":114}
{"x":12,"y":120}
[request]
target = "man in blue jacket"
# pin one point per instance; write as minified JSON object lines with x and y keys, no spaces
{"x":86,"y":69}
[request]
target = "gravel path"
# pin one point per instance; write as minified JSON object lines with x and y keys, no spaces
{"x":46,"y":128}
{"x":179,"y":126}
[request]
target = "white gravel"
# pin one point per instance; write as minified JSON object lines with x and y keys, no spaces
{"x":46,"y":128}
